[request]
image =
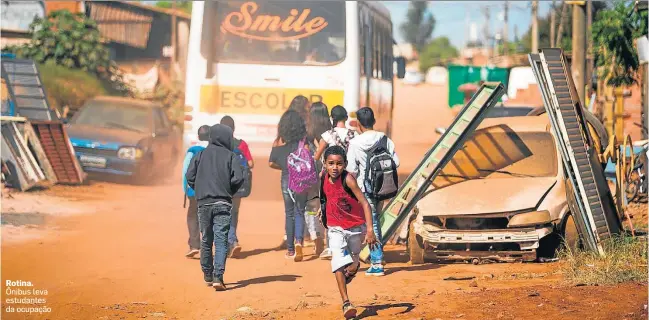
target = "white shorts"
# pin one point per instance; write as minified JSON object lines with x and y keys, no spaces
{"x":345,"y":245}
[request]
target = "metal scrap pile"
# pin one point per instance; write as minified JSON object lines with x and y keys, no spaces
{"x":36,"y":151}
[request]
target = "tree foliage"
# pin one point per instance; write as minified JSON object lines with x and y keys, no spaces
{"x":69,"y":40}
{"x":614,"y":32}
{"x":435,"y":51}
{"x":419,"y":25}
{"x":185,"y":6}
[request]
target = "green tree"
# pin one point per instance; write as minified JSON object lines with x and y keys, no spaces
{"x":70,"y":40}
{"x":435,"y":51}
{"x":419,"y":25}
{"x":614,"y":32}
{"x":185,"y":6}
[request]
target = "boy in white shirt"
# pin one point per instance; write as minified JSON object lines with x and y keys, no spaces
{"x":356,"y":165}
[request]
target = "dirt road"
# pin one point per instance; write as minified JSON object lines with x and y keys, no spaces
{"x":116,"y":252}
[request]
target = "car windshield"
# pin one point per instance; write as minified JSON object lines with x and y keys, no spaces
{"x":499,"y":152}
{"x":116,"y":115}
{"x":274,"y":32}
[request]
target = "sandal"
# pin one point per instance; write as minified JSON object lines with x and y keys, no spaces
{"x":349,"y":275}
{"x":349,"y":311}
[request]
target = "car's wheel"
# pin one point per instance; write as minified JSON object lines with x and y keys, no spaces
{"x":415,"y":246}
{"x":570,"y":233}
{"x":549,"y":244}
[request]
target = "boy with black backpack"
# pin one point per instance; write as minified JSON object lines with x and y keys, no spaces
{"x":372,"y":160}
{"x":242,"y":153}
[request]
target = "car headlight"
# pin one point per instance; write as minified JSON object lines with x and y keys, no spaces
{"x":129,"y":153}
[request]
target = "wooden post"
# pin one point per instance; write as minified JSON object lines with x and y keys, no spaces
{"x":579,"y":49}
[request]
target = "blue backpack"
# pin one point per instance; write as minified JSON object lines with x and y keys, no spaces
{"x":189,"y":192}
{"x":246,"y":188}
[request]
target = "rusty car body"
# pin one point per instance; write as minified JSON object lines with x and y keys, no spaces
{"x":502,"y":197}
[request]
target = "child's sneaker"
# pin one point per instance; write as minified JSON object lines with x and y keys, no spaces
{"x":375,"y":271}
{"x":208,"y":278}
{"x":326,"y":254}
{"x":218,"y":284}
{"x":298,"y":253}
{"x":349,"y":311}
{"x":290,"y":255}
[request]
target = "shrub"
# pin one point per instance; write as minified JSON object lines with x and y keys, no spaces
{"x":70,"y":87}
{"x":625,"y":260}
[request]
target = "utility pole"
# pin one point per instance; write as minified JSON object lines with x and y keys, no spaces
{"x":486,"y":26}
{"x":579,"y":48}
{"x":535,"y":26}
{"x":564,"y":16}
{"x":505,"y":29}
{"x":173,"y":39}
{"x":552,"y":22}
{"x":589,"y":40}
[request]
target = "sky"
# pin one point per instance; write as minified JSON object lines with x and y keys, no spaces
{"x":451,"y":17}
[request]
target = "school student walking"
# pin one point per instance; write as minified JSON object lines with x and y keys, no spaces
{"x":295,"y":161}
{"x":216,"y":175}
{"x":242,"y":152}
{"x":194,"y":240}
{"x":318,"y":124}
{"x":372,"y":160}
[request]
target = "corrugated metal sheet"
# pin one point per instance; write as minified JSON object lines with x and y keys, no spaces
{"x":26,"y":88}
{"x":59,"y":151}
{"x":122,"y":24}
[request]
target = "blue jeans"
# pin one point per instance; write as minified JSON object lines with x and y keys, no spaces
{"x":232,"y":235}
{"x":294,"y":212}
{"x":214,"y":221}
{"x":376,"y":254}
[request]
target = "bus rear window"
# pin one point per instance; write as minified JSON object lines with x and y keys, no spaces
{"x":274,"y":32}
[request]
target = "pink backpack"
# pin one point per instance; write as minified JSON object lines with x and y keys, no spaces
{"x":301,"y":169}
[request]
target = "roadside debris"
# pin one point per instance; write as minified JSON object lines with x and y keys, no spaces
{"x":36,"y":151}
{"x":451,"y":278}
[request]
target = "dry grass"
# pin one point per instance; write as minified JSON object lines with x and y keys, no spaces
{"x":625,"y":261}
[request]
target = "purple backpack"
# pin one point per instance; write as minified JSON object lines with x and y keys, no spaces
{"x":301,"y":169}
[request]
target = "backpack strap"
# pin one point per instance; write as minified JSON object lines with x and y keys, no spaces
{"x":323,"y":201}
{"x":336,"y":137}
{"x":346,"y":187}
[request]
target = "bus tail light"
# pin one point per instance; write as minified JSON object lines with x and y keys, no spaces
{"x":189,"y":108}
{"x":188,"y":117}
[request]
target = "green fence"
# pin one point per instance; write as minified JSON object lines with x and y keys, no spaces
{"x":459,"y":75}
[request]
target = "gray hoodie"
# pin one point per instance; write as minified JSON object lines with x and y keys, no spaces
{"x":215,"y":173}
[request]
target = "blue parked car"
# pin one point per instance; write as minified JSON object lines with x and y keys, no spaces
{"x":124,"y":137}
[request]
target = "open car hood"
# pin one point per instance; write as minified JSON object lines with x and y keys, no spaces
{"x":484,"y":196}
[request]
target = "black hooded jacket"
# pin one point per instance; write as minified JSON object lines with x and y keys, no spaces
{"x":215,"y":173}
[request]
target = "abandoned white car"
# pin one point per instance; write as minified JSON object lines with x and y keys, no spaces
{"x":501,"y":198}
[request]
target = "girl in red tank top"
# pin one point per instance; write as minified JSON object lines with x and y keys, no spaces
{"x":347,"y":215}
